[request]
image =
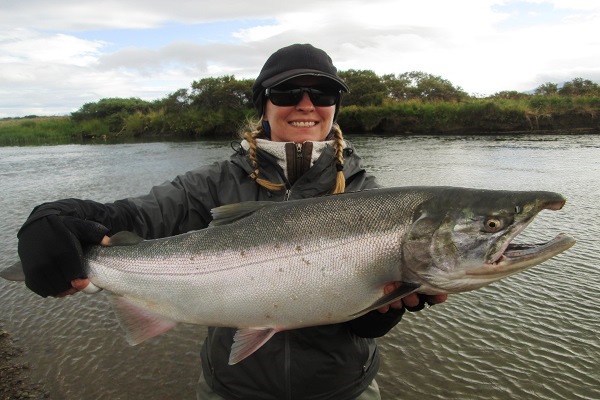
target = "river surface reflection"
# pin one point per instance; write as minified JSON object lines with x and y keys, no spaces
{"x":533,"y":335}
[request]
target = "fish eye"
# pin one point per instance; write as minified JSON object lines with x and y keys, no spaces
{"x":493,"y":224}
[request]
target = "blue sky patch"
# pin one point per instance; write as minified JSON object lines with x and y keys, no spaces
{"x":524,"y":14}
{"x":219,"y":31}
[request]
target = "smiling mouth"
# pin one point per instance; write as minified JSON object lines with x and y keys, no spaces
{"x":303,"y":124}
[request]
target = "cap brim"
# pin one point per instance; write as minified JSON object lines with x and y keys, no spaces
{"x":287,"y":75}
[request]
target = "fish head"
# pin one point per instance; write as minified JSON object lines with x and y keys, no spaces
{"x":462,"y":239}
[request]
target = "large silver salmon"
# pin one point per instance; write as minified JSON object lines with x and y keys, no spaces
{"x":265,"y":267}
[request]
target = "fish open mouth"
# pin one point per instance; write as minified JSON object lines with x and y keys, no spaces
{"x":523,"y":255}
{"x":516,"y":257}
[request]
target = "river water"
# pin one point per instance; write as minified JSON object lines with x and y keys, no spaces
{"x":535,"y":335}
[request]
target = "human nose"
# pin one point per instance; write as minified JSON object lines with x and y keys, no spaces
{"x":305,"y":103}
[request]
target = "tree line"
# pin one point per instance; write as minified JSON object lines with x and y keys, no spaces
{"x":221,"y":105}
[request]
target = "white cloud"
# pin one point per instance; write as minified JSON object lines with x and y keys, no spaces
{"x":53,"y":58}
{"x":34,"y":47}
{"x":259,"y":33}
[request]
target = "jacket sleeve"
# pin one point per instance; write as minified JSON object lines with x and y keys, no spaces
{"x":171,"y":208}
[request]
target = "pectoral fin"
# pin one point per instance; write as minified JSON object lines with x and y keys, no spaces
{"x":402,"y":291}
{"x":247,"y":341}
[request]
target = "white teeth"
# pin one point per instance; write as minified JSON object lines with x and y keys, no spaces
{"x":304,"y":124}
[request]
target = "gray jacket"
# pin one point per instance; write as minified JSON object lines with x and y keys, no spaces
{"x":326,"y":362}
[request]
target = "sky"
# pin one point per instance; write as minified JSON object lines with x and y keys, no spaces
{"x":57,"y":55}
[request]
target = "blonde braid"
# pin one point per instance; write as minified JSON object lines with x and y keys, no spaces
{"x":340,"y":181}
{"x":251,"y":137}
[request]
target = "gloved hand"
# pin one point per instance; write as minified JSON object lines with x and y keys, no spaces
{"x":413,"y":302}
{"x":425,"y":299}
{"x":51,"y":252}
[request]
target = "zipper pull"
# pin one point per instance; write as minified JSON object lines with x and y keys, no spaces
{"x":286,"y":196}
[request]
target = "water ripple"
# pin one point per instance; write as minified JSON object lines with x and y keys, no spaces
{"x":533,"y":335}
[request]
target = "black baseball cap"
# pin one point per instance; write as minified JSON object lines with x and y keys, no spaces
{"x":291,"y":62}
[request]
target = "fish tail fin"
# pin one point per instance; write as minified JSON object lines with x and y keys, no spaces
{"x":247,"y":341}
{"x":13,"y":273}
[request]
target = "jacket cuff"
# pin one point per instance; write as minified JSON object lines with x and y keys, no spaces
{"x":375,"y":324}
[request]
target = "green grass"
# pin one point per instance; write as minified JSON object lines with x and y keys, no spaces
{"x":37,"y":130}
{"x":473,"y":116}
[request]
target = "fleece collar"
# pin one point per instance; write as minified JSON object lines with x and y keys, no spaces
{"x":277,"y":150}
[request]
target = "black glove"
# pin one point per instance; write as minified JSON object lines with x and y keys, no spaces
{"x":50,"y":249}
{"x":423,"y":300}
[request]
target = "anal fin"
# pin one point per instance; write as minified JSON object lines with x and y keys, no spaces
{"x":139,"y":324}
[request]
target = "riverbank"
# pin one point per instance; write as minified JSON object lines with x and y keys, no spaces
{"x":15,"y":382}
{"x":475,"y":117}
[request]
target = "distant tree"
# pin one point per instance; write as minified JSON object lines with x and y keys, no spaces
{"x":547,"y":89}
{"x":222,"y":92}
{"x":579,"y":87}
{"x":424,"y":86}
{"x":241,"y":91}
{"x":510,"y":95}
{"x":397,"y":87}
{"x":175,"y":102}
{"x":366,"y":88}
{"x":110,"y":107}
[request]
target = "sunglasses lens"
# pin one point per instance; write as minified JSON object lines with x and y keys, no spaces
{"x":291,"y":97}
{"x":322,"y":99}
{"x":285,"y":98}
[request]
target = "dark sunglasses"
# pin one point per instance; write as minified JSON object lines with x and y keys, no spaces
{"x":291,"y":97}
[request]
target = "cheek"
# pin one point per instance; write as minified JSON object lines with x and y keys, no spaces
{"x":327,"y":113}
{"x":272,"y":112}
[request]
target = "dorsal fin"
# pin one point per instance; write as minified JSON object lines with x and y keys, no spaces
{"x":125,"y":238}
{"x":234,"y":212}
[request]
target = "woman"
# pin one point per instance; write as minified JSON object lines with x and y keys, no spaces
{"x":297,"y":151}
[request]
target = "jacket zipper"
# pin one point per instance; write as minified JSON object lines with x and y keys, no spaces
{"x":294,"y":169}
{"x":295,"y":166}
